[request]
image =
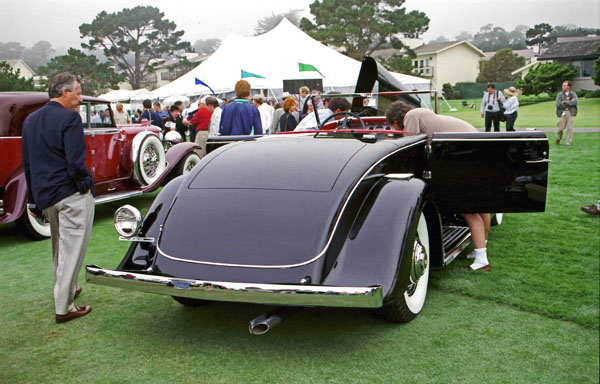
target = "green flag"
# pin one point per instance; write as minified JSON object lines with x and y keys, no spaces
{"x":250,"y":74}
{"x":308,"y":68}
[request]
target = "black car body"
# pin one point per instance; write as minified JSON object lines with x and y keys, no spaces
{"x":351,"y":218}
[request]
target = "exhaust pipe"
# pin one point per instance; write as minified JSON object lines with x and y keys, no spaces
{"x":263,"y":323}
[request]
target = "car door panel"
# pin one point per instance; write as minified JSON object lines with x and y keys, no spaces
{"x":489,"y":172}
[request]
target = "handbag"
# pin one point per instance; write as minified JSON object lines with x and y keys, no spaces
{"x":501,"y":115}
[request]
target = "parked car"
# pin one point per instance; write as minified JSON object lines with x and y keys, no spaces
{"x":124,"y":160}
{"x":353,"y":215}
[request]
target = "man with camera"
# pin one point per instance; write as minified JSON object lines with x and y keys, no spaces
{"x":490,"y":105}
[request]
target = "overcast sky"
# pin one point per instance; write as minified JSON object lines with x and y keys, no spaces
{"x":57,"y":21}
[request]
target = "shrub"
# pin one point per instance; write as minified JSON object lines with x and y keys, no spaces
{"x":534,"y":99}
{"x":546,"y":78}
{"x":588,"y":93}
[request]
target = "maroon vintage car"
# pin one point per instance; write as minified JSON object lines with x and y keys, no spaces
{"x":124,"y":160}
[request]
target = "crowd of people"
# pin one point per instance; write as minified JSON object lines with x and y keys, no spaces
{"x":245,"y":114}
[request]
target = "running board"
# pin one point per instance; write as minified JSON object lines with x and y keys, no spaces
{"x":117,"y":196}
{"x":455,"y":240}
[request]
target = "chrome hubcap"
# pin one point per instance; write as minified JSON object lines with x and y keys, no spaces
{"x":419,"y":261}
{"x":150,"y":161}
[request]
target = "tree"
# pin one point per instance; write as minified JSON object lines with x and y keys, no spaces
{"x":269,"y":22}
{"x":546,"y":78}
{"x":38,"y":55}
{"x":517,"y":38}
{"x":500,"y":66}
{"x":95,"y":77}
{"x":11,"y":51}
{"x":490,"y":38}
{"x":440,"y":39}
{"x":142,"y":31}
{"x":362,"y":27}
{"x":464,"y":35}
{"x":399,"y":63}
{"x":206,"y":46}
{"x":539,"y":35}
{"x":571,"y":30}
{"x":12,"y":81}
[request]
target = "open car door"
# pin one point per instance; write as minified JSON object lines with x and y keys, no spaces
{"x":489,"y":172}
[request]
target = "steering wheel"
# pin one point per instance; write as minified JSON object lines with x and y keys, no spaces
{"x":344,"y":123}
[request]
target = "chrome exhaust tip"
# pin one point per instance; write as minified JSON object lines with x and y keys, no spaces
{"x":263,"y":323}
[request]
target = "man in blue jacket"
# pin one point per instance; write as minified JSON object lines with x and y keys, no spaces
{"x":240,"y":117}
{"x":60,"y":184}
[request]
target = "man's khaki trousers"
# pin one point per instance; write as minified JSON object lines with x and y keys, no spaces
{"x":566,"y":120}
{"x":71,"y":222}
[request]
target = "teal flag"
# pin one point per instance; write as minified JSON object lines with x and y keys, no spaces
{"x":250,"y":74}
{"x":308,"y":68}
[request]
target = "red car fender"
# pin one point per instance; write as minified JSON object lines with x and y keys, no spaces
{"x":15,"y":195}
{"x":173,"y":155}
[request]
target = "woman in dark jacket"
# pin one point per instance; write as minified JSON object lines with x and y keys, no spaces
{"x":287,"y":121}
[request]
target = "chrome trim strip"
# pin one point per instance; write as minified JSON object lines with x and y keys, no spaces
{"x":274,"y":294}
{"x":137,"y":239}
{"x":116,"y":196}
{"x":399,"y":176}
{"x":538,"y":161}
{"x":100,"y":131}
{"x":320,"y":254}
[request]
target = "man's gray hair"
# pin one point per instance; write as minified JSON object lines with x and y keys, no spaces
{"x":60,"y":82}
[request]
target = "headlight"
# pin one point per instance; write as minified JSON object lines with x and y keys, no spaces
{"x":128,"y":221}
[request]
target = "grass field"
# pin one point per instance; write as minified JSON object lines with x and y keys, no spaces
{"x":533,"y":319}
{"x":541,"y":115}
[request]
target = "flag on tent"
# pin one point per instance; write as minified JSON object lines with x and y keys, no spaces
{"x":250,"y":74}
{"x":198,"y":81}
{"x":308,"y":68}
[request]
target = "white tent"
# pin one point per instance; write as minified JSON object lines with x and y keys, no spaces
{"x":274,"y":55}
{"x":126,"y":95}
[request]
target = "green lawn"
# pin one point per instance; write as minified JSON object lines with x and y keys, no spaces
{"x":533,"y":319}
{"x":541,"y":115}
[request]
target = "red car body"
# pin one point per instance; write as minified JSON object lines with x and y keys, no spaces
{"x":112,"y":155}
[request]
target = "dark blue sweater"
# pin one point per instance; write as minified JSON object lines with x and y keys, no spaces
{"x":54,"y":153}
{"x":240,"y":117}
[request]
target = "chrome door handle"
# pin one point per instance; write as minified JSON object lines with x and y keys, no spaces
{"x":538,"y":161}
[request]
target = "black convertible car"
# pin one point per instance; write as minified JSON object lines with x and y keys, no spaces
{"x":351,"y":217}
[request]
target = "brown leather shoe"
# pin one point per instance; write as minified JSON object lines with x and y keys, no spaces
{"x":78,"y":312}
{"x":77,"y":291}
{"x":591,"y":210}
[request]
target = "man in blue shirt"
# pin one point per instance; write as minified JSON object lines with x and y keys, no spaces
{"x":240,"y":117}
{"x":59,"y":183}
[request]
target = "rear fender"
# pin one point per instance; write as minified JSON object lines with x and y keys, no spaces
{"x":14,"y":196}
{"x":141,"y":254}
{"x":380,"y":235}
{"x":173,"y":156}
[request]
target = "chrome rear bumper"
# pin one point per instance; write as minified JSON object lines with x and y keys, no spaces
{"x":275,"y":294}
